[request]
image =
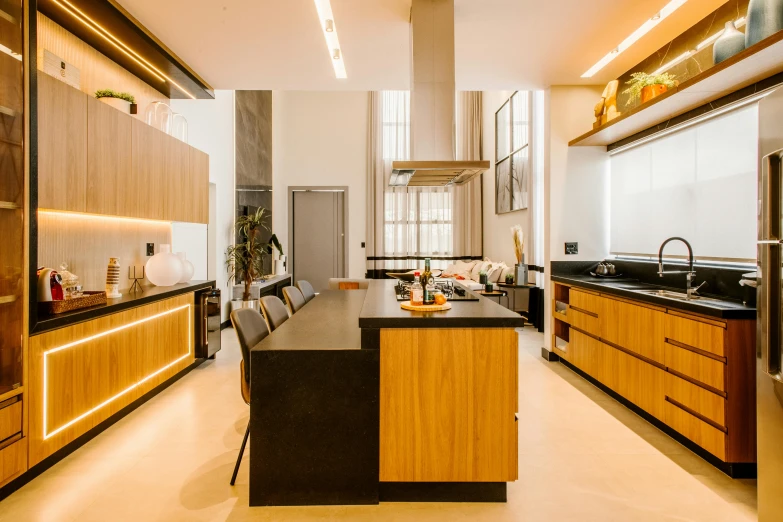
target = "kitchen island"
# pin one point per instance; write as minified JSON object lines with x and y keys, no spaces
{"x":355,"y":401}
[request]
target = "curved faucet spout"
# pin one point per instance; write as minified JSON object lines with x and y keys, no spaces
{"x":660,"y":254}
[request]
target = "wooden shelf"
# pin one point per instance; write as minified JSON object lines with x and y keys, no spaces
{"x":5,"y":395}
{"x":8,"y":205}
{"x":5,"y":299}
{"x":755,"y":63}
{"x":5,"y":111}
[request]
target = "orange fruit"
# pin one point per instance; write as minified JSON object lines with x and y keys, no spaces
{"x":440,"y":299}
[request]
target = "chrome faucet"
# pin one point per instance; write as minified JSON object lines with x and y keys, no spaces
{"x":689,"y":274}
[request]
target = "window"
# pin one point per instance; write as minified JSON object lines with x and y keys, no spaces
{"x":418,"y":222}
{"x":512,"y":160}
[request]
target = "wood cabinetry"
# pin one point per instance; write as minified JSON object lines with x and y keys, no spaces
{"x":693,"y":373}
{"x":95,"y":159}
{"x":13,"y":461}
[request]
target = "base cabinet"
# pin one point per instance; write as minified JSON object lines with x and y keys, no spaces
{"x":13,"y":461}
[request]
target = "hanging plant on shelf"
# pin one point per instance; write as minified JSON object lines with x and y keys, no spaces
{"x":647,"y":86}
{"x":119,"y":100}
{"x":245,"y":261}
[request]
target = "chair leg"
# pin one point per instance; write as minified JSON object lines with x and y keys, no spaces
{"x":239,"y":457}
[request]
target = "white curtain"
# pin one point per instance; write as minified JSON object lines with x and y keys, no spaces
{"x":405,"y":225}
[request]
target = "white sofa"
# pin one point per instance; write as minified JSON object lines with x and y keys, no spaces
{"x":467,"y":272}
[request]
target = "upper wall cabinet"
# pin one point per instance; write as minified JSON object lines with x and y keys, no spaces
{"x":95,"y":159}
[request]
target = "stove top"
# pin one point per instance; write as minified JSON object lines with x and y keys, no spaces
{"x":452,"y":292}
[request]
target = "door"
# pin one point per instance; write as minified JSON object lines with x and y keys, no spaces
{"x":318,"y":219}
{"x":769,"y":379}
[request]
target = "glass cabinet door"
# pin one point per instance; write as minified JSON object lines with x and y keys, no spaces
{"x":12,"y":182}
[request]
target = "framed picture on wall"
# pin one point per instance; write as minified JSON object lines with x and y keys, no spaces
{"x":512,"y":158}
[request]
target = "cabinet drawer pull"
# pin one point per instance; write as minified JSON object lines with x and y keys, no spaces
{"x":580,"y":310}
{"x":696,"y":414}
{"x":693,"y":349}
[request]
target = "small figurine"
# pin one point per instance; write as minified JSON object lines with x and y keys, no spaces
{"x":606,"y":109}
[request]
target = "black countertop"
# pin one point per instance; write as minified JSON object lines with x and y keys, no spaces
{"x":328,"y":322}
{"x":628,"y":288}
{"x":149,"y":295}
{"x":382,"y":310}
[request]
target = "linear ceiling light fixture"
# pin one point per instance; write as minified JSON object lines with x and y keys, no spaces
{"x":739,"y":22}
{"x":324,"y":8}
{"x":645,"y":28}
{"x":74,"y":11}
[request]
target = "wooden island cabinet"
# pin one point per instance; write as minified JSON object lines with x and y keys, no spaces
{"x":692,"y":373}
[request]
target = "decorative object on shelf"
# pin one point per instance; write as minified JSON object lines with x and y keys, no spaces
{"x":489,"y":287}
{"x":606,"y":109}
{"x":187,"y":268}
{"x":86,"y":300}
{"x":730,"y":42}
{"x":647,"y":86}
{"x":520,"y":269}
{"x":512,"y":156}
{"x":136,"y":286}
{"x":121,"y":101}
{"x":164,"y":268}
{"x":276,"y":250}
{"x":509,"y":278}
{"x":765,"y":18}
{"x":70,"y":283}
{"x":161,"y":116}
{"x":49,"y":285}
{"x":179,"y":127}
{"x":245,"y":260}
{"x":113,"y":278}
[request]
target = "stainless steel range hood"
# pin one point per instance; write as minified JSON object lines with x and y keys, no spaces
{"x":433,"y":103}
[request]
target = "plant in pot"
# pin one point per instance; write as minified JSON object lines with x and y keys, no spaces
{"x":645,"y":86}
{"x":245,"y":261}
{"x":483,"y":277}
{"x":122,"y":101}
{"x":509,"y":279}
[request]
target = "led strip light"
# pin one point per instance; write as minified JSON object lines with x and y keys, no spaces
{"x":47,"y":434}
{"x":739,"y":22}
{"x":101,"y":217}
{"x":74,"y":11}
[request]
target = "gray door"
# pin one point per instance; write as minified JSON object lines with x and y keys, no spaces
{"x":319,"y":236}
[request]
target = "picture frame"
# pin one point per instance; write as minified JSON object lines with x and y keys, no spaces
{"x":512,"y":153}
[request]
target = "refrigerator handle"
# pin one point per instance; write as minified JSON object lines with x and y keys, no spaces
{"x":770,"y":265}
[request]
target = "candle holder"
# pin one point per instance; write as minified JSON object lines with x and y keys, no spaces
{"x":136,"y":286}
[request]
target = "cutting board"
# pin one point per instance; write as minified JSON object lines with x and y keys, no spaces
{"x":406,"y":305}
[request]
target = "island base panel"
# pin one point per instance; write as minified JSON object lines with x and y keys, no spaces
{"x":442,"y":491}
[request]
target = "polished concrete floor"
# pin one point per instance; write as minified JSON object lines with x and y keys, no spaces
{"x":583,"y":457}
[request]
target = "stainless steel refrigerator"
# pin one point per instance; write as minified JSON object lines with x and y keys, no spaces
{"x":769,"y":375}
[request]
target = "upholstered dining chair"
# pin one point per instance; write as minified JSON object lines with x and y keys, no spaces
{"x":251,"y":329}
{"x":274,"y":311}
{"x":294,"y":298}
{"x":307,"y":290}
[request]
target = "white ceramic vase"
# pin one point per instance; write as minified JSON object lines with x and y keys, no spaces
{"x":187,"y":268}
{"x":164,"y":268}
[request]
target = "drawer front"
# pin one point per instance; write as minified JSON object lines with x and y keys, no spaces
{"x":587,"y":354}
{"x":584,"y":321}
{"x":695,"y":333}
{"x":703,"y":402}
{"x":13,"y":460}
{"x":10,"y":420}
{"x":703,"y":434}
{"x":635,"y":328}
{"x":584,"y":301}
{"x":703,"y":369}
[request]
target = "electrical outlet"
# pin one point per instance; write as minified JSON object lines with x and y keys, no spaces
{"x":571,"y":249}
{"x":150,"y":249}
{"x":362,"y":244}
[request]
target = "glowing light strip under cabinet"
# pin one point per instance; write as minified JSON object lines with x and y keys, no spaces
{"x":123,"y":392}
{"x":102,"y":217}
{"x":645,"y":28}
{"x":324,"y":8}
{"x":119,"y":44}
{"x":703,"y":45}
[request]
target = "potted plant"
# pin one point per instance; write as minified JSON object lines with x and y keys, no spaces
{"x":647,"y":86}
{"x":510,"y":278}
{"x":122,"y":101}
{"x":483,"y":277}
{"x":245,"y":261}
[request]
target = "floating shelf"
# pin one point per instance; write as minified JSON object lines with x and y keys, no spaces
{"x":755,"y":63}
{"x":7,"y":112}
{"x":8,"y":205}
{"x":5,"y":299}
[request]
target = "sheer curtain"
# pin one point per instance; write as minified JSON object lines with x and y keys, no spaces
{"x":405,"y":225}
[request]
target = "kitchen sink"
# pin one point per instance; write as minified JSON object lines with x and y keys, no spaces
{"x":681,"y":296}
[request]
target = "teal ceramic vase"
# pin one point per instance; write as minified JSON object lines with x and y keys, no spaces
{"x":730,"y":43}
{"x":765,"y":18}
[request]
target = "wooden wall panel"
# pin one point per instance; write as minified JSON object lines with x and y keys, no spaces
{"x":199,"y":174}
{"x":108,"y":160}
{"x":62,"y":146}
{"x":97,"y":71}
{"x":635,"y":328}
{"x":149,"y":170}
{"x":87,"y":375}
{"x":448,"y":402}
{"x":180,"y":186}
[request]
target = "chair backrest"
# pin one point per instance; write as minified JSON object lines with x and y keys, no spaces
{"x":274,"y":311}
{"x":294,"y":298}
{"x":251,"y":329}
{"x":307,"y":290}
{"x":341,"y":283}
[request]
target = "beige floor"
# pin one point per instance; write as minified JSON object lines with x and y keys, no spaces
{"x":583,"y":457}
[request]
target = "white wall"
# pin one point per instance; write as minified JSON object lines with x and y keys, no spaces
{"x":498,"y":244}
{"x":320,"y":139}
{"x":211,"y":129}
{"x":191,"y":238}
{"x":576,"y":181}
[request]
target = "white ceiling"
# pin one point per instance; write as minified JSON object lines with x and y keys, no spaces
{"x":500,"y":44}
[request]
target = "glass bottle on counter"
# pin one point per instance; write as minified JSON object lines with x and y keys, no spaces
{"x":429,"y":284}
{"x":417,"y":291}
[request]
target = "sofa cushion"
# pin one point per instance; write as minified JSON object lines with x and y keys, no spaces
{"x":495,"y":271}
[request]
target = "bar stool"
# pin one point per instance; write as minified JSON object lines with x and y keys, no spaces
{"x":293,"y":298}
{"x":274,"y":311}
{"x":251,"y":330}
{"x":307,"y":290}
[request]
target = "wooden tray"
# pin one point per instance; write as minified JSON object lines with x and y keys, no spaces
{"x":69,"y":305}
{"x":406,"y":305}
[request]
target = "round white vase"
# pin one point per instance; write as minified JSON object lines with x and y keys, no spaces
{"x":187,"y":268}
{"x":164,"y":268}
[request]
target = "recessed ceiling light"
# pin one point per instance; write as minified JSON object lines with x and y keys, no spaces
{"x":645,"y":28}
{"x":324,"y":8}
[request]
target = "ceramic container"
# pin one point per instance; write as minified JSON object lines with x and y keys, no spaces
{"x":651,"y":91}
{"x":164,"y":268}
{"x":113,"y":278}
{"x":730,"y":42}
{"x":187,"y":268}
{"x":765,"y":18}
